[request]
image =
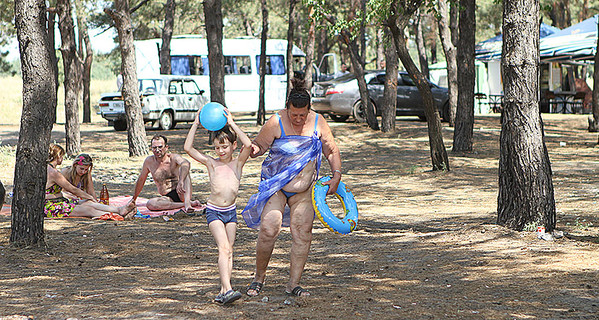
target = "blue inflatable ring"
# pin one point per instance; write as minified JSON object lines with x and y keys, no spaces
{"x":328,"y":219}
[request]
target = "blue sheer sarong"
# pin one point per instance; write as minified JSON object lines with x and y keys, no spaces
{"x":287,"y":157}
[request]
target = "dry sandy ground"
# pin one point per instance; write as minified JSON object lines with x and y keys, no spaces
{"x":426,"y":247}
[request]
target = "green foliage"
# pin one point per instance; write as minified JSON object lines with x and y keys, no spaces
{"x":106,"y":66}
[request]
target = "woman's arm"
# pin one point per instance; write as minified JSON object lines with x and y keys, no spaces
{"x":331,"y":153}
{"x":269,"y":132}
{"x":57,"y":177}
{"x":89,"y":184}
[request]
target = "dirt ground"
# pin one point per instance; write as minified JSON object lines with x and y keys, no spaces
{"x":426,"y":246}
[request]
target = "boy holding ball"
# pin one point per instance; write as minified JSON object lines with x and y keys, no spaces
{"x":224,"y":173}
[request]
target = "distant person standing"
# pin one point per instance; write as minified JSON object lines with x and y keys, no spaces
{"x":119,"y":82}
{"x":342,"y":71}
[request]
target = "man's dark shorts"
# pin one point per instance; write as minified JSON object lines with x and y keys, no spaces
{"x":226,"y":215}
{"x":173,"y":195}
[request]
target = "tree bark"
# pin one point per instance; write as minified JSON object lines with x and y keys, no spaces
{"x":322,"y":49}
{"x":450,"y":50}
{"x":420,"y":45}
{"x":397,"y":22}
{"x":136,"y":132}
{"x":87,"y":68}
{"x":290,"y":32}
{"x":594,"y":121}
{"x":310,"y":49}
{"x":525,"y":197}
{"x":52,"y":39}
{"x":380,"y":48}
{"x":167,"y":35}
{"x":68,"y":48}
{"x":39,"y":109}
{"x":388,"y":111}
{"x":261,"y":116}
{"x":560,"y":14}
{"x":358,"y":71}
{"x":216,"y":61}
{"x":464,"y":121}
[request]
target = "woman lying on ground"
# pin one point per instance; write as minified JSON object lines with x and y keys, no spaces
{"x":79,"y":174}
{"x":57,"y":206}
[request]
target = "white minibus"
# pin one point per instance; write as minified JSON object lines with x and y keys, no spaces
{"x":189,"y":57}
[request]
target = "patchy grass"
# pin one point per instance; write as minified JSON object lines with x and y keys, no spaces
{"x":11,"y":96}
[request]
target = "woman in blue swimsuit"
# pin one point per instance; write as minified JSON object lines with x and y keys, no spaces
{"x":297,"y":137}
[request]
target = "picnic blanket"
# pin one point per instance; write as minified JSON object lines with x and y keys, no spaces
{"x":142,"y":210}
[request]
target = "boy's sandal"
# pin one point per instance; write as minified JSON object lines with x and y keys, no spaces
{"x":230,"y":296}
{"x":298,"y":292}
{"x":256,"y":286}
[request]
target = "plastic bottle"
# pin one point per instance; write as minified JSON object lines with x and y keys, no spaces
{"x":104,"y":198}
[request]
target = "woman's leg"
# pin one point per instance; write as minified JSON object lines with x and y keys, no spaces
{"x":225,"y":253}
{"x":270,"y":227}
{"x":302,"y":219}
{"x":95,"y":209}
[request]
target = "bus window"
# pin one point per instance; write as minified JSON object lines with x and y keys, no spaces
{"x":275,"y":64}
{"x":237,"y":65}
{"x":196,"y":65}
{"x":180,"y":66}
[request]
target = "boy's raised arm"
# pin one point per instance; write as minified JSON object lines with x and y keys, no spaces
{"x":246,"y":143}
{"x":188,"y":146}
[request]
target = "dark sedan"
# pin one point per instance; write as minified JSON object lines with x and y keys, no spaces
{"x":340,"y":97}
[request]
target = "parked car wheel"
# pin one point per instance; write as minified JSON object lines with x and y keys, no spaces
{"x":120,"y":125}
{"x":166,"y":120}
{"x":359,"y":112}
{"x":338,"y":118}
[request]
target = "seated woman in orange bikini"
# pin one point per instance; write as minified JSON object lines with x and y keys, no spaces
{"x":57,"y":206}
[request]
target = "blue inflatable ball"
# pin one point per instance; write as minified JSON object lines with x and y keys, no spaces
{"x":212,"y":116}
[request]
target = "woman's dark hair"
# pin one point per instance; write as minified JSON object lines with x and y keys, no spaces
{"x":298,"y":96}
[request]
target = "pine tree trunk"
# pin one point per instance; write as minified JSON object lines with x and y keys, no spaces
{"x":52,"y":39}
{"x":261,"y":116}
{"x":214,"y":36}
{"x":525,"y":197}
{"x":39,"y":109}
{"x":464,"y":121}
{"x":594,"y":121}
{"x":290,"y":32}
{"x":136,"y":132}
{"x":420,"y":45}
{"x":167,"y":35}
{"x":397,"y":22}
{"x":87,"y":69}
{"x":310,"y":50}
{"x":380,"y":48}
{"x":388,"y":113}
{"x":445,"y":34}
{"x":358,"y":70}
{"x":68,"y":48}
{"x":323,"y":48}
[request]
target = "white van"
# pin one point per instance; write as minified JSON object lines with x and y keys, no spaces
{"x":189,"y":57}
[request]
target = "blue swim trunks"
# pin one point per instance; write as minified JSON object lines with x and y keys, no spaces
{"x":224,"y":214}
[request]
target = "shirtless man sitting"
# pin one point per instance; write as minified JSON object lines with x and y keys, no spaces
{"x":170,"y":172}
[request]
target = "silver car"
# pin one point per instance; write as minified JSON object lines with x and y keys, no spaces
{"x":340,"y":97}
{"x":165,"y":100}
